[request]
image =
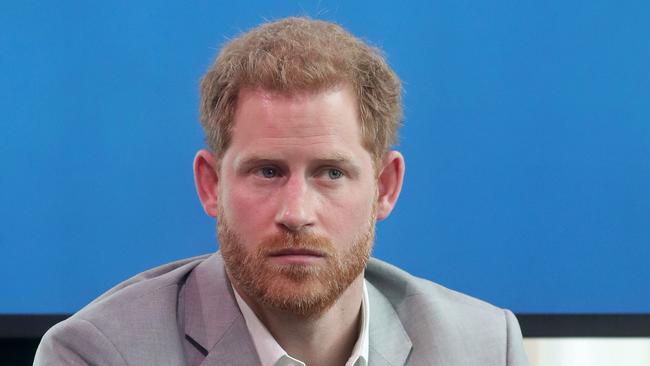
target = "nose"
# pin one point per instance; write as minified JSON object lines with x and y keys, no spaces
{"x":296,"y":209}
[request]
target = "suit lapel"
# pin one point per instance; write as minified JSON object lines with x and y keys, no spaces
{"x":212,"y":318}
{"x":389,"y":343}
{"x":234,"y":348}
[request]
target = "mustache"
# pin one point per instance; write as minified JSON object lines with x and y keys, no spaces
{"x":297,"y":243}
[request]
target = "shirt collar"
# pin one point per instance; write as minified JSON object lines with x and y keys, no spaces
{"x":272,"y":354}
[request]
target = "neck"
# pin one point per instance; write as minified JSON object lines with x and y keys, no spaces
{"x":325,"y":339}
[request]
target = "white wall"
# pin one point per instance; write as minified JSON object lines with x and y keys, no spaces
{"x":588,"y":351}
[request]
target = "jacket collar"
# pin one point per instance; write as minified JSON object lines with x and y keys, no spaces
{"x":389,"y":343}
{"x":212,"y":318}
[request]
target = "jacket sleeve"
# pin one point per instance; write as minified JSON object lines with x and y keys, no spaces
{"x":76,"y":342}
{"x":516,"y":355}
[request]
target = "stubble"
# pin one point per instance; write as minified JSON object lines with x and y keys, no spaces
{"x":300,"y":289}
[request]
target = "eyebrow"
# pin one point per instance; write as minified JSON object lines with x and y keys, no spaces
{"x":336,"y":159}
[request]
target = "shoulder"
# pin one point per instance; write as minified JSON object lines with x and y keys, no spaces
{"x":157,"y":284}
{"x":400,"y":288}
{"x":445,"y":324}
{"x":141,"y":310}
{"x":147,"y":283}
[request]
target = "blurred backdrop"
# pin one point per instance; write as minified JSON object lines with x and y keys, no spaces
{"x":526,"y":137}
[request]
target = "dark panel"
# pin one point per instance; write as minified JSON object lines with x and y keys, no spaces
{"x":20,"y":334}
{"x":32,"y":327}
{"x":585,"y":325}
{"x":17,"y":352}
{"x":26,"y":326}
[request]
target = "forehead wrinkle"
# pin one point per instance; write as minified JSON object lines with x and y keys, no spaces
{"x":306,"y":141}
{"x":299,"y":127}
{"x":273,"y":155}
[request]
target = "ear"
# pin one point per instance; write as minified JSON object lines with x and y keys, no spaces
{"x":389,"y":183}
{"x":206,"y":178}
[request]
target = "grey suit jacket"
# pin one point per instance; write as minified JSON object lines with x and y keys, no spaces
{"x":184,"y":313}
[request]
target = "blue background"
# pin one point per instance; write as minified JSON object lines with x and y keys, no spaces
{"x":527,"y":140}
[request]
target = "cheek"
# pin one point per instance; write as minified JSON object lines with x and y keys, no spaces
{"x":350,"y":214}
{"x":244,"y":212}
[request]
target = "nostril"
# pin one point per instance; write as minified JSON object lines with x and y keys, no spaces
{"x":294,"y":220}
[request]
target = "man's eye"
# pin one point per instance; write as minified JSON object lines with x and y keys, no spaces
{"x":268,"y":172}
{"x":334,"y":173}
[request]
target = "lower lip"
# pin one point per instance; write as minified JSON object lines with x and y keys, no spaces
{"x":296,"y":259}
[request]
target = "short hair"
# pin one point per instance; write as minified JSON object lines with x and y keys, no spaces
{"x":299,"y":54}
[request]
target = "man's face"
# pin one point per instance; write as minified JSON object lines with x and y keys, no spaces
{"x":296,"y":199}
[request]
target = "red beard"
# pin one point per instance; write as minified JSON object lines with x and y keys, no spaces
{"x":301,"y":289}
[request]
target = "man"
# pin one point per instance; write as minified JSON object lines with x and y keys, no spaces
{"x":299,"y":117}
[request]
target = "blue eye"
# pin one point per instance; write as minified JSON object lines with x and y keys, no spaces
{"x":268,"y":172}
{"x":334,"y":173}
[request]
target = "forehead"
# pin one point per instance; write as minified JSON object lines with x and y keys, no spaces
{"x":305,"y":118}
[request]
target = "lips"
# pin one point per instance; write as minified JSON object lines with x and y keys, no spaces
{"x":297,"y":252}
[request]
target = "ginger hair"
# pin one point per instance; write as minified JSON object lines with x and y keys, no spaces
{"x":299,"y":54}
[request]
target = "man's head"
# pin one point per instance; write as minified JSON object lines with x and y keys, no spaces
{"x":296,"y":55}
{"x":297,"y":177}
